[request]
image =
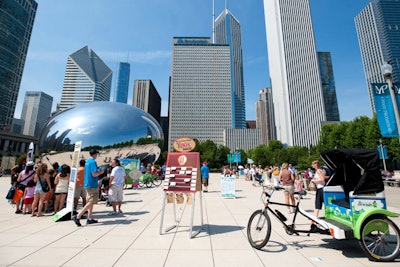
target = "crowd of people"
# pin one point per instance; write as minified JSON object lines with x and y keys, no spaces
{"x":45,"y":187}
{"x":286,"y":176}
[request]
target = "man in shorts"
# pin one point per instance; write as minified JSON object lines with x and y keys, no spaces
{"x":91,"y":181}
{"x":117,"y":181}
{"x":205,"y":172}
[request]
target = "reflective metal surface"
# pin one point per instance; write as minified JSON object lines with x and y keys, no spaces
{"x":108,"y":126}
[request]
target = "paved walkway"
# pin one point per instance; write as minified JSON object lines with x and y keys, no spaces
{"x":133,"y":239}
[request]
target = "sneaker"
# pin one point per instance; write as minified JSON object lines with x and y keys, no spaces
{"x":290,"y":211}
{"x":205,"y":191}
{"x":18,"y":211}
{"x":112,"y":213}
{"x":120,"y":211}
{"x":76,"y":220}
{"x":91,"y":221}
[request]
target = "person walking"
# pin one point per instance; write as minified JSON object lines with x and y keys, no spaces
{"x":205,"y":174}
{"x":117,"y":181}
{"x":286,"y":178}
{"x":91,"y":185}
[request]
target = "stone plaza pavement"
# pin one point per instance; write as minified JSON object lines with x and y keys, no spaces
{"x":133,"y":239}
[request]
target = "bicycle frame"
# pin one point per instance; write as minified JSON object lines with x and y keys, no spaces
{"x":321,"y":226}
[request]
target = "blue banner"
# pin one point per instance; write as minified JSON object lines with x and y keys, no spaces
{"x":384,"y":109}
{"x":385,"y":154}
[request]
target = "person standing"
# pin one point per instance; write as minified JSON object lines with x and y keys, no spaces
{"x":205,"y":174}
{"x":79,"y":189}
{"x":286,"y":178}
{"x":62,"y":183}
{"x":23,"y":178}
{"x":117,"y":181}
{"x":91,"y":185}
{"x":275,"y":174}
{"x":41,"y":178}
{"x":319,"y":181}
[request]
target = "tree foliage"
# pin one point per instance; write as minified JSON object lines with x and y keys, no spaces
{"x":362,"y":133}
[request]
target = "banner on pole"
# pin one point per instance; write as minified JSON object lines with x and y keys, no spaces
{"x":384,"y":108}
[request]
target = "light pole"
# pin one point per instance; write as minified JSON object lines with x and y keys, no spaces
{"x":387,"y":70}
{"x":383,"y":156}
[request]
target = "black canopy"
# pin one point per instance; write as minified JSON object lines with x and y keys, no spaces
{"x":355,"y":169}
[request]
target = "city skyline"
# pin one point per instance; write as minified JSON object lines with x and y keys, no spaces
{"x":146,"y":44}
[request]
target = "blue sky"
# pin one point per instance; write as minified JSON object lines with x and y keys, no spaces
{"x":141,"y":32}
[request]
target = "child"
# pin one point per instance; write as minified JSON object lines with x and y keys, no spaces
{"x":298,"y":186}
{"x":28,"y":196}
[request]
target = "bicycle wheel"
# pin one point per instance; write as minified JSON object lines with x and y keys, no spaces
{"x":149,"y":183}
{"x":259,"y":229}
{"x":157,"y":181}
{"x":380,"y":239}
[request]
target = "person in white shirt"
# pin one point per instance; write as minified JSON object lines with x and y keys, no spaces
{"x":117,"y":181}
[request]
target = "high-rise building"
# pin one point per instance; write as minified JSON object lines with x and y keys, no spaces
{"x":265,"y":116}
{"x":16,"y":23}
{"x":378,"y":26}
{"x":146,"y":97}
{"x":328,"y":86}
{"x":200,"y":101}
{"x":121,"y":92}
{"x":227,"y":31}
{"x":35,"y":112}
{"x":87,"y":79}
{"x":293,"y":66}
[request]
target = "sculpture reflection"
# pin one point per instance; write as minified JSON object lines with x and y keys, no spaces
{"x":116,"y":129}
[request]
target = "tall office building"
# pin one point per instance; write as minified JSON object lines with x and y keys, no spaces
{"x":293,"y":65}
{"x":200,"y":101}
{"x":265,"y":116}
{"x":378,"y":31}
{"x":121,"y":92}
{"x":227,"y":31}
{"x":146,"y":97}
{"x":87,"y":79}
{"x":328,"y":86}
{"x":35,"y":112}
{"x":16,"y":22}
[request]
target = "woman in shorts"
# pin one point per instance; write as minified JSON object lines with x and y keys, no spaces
{"x":286,"y":178}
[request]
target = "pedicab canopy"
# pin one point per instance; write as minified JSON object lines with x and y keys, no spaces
{"x":357,"y":170}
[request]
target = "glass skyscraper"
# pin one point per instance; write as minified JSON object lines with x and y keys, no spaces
{"x":121,"y":93}
{"x":200,"y":101}
{"x":35,"y":112}
{"x":378,"y":30}
{"x":16,"y":22}
{"x":87,"y":79}
{"x":227,"y":31}
{"x":328,"y":86}
{"x":293,"y":66}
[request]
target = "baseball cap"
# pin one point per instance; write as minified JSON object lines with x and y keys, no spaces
{"x":30,"y":163}
{"x":204,"y":163}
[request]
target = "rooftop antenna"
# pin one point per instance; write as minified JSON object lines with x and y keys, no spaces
{"x":213,"y":22}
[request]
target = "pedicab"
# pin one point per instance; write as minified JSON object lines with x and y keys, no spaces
{"x":355,"y":207}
